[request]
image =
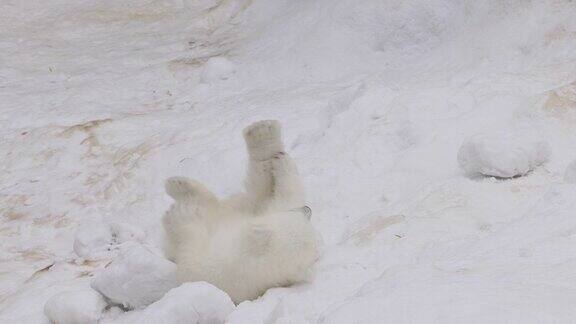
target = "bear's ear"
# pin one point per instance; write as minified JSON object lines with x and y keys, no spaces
{"x":306,"y":211}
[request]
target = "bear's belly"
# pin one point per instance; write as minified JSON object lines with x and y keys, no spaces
{"x":245,"y":259}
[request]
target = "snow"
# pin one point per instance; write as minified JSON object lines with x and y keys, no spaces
{"x":136,"y":278}
{"x":75,"y":307}
{"x":505,"y":155}
{"x":102,"y":101}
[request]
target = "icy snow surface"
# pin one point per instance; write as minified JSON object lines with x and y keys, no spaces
{"x":100,"y":101}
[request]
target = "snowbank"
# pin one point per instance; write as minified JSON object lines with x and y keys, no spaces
{"x":75,"y":307}
{"x":504,"y":155}
{"x":136,"y":278}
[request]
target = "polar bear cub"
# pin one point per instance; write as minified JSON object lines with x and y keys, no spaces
{"x":259,"y":239}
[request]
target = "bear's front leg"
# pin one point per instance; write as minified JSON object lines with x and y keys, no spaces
{"x":263,"y":140}
{"x":192,"y":209}
{"x":272,"y":181}
{"x":287,"y":189}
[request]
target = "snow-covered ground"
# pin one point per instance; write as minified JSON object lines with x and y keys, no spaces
{"x":100,"y":101}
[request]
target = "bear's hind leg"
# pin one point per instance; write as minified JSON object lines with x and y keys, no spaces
{"x":182,"y":188}
{"x":191,"y":212}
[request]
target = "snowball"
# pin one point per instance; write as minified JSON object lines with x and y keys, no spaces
{"x":505,"y":155}
{"x":570,"y":173}
{"x":136,"y":278}
{"x":75,"y":307}
{"x":217,"y":68}
{"x":93,"y":239}
{"x":193,"y":302}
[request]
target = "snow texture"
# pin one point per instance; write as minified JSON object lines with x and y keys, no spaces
{"x":75,"y":307}
{"x":101,"y":101}
{"x":505,"y":155}
{"x":136,"y":278}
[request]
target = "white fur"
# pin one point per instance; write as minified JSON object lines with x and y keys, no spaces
{"x":252,"y":241}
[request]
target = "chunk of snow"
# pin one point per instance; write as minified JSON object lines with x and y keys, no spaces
{"x":192,"y":302}
{"x":502,"y":155}
{"x":136,"y":278}
{"x":217,"y":68}
{"x":75,"y":307}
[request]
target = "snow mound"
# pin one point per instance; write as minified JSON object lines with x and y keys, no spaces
{"x":75,"y":307}
{"x":136,"y":278}
{"x":504,"y":155}
{"x":217,"y":68}
{"x":193,"y":302}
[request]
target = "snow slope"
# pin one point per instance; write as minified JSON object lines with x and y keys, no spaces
{"x":101,"y":101}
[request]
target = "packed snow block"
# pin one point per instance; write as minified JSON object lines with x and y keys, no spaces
{"x":136,"y":278}
{"x":502,"y":155}
{"x":217,"y":68}
{"x":75,"y":307}
{"x":192,"y":302}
